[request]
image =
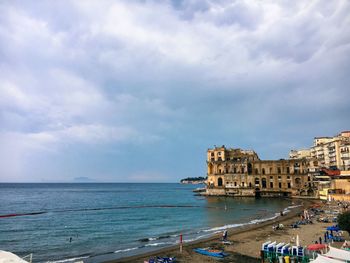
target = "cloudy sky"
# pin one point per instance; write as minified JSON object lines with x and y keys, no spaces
{"x":137,"y":91}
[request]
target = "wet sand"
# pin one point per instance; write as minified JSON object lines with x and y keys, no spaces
{"x":246,"y":241}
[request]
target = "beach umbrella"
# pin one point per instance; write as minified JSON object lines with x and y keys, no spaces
{"x":297,"y":241}
{"x":316,"y":246}
{"x":333,"y":228}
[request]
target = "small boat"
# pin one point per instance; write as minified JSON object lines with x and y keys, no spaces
{"x":211,"y":252}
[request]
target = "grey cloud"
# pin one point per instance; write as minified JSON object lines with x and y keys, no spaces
{"x":130,"y":85}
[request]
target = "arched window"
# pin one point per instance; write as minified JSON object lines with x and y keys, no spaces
{"x":210,"y":168}
{"x":250,"y":168}
{"x":256,"y":171}
{"x":219,"y":181}
{"x":263,"y":183}
{"x":257,"y":181}
{"x":263,"y":170}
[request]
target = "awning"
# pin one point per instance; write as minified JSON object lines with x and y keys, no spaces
{"x":8,"y":257}
{"x":338,"y":253}
{"x":323,"y":259}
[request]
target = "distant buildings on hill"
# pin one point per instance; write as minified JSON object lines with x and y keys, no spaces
{"x":193,"y":180}
{"x":323,"y":171}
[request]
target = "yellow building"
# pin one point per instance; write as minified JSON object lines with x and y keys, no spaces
{"x":238,"y":172}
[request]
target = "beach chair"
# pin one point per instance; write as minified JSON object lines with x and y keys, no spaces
{"x":297,"y":251}
{"x":286,"y":250}
{"x":271,"y":252}
{"x":271,"y":247}
{"x":279,"y":247}
{"x":301,"y":252}
{"x":264,"y":246}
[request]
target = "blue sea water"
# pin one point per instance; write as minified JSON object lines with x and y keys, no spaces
{"x":100,"y":221}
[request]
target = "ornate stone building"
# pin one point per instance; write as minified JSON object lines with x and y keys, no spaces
{"x":237,"y":172}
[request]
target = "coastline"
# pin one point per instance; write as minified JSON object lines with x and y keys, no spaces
{"x":214,"y":240}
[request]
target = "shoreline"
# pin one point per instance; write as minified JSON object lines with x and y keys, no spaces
{"x":204,"y":242}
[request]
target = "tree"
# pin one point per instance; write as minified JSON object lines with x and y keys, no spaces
{"x":344,"y":221}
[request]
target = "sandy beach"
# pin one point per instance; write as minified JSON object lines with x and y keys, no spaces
{"x":245,"y":242}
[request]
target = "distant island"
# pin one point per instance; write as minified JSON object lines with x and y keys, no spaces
{"x":194,"y":180}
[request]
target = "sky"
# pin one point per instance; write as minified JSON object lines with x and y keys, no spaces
{"x":137,"y":91}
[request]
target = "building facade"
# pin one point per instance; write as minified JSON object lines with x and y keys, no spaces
{"x":238,"y":172}
{"x":328,"y":152}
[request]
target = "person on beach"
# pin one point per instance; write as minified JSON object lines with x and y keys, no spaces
{"x":224,"y":235}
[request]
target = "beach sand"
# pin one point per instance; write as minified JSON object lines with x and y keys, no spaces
{"x":245,"y":242}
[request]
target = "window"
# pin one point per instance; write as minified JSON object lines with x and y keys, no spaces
{"x":212,"y":154}
{"x":235,"y":183}
{"x":242,"y":170}
{"x":256,"y":171}
{"x":279,"y":177}
{"x":219,"y":153}
{"x":263,"y":170}
{"x":219,"y":181}
{"x":288,"y":177}
{"x":271,"y":177}
{"x":288,"y":171}
{"x":234,"y":170}
{"x":250,"y":184}
{"x":270,"y":170}
{"x":271,"y":184}
{"x":263,"y":183}
{"x":279,"y":170}
{"x":257,"y":181}
{"x":280,"y":185}
{"x":288,"y":184}
{"x":242,"y":184}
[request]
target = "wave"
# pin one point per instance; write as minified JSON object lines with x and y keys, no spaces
{"x":68,"y":260}
{"x":172,"y":239}
{"x":126,"y":250}
{"x":159,"y":244}
{"x":155,"y":238}
{"x":251,"y":222}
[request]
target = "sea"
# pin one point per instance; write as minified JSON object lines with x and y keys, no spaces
{"x":95,"y":222}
